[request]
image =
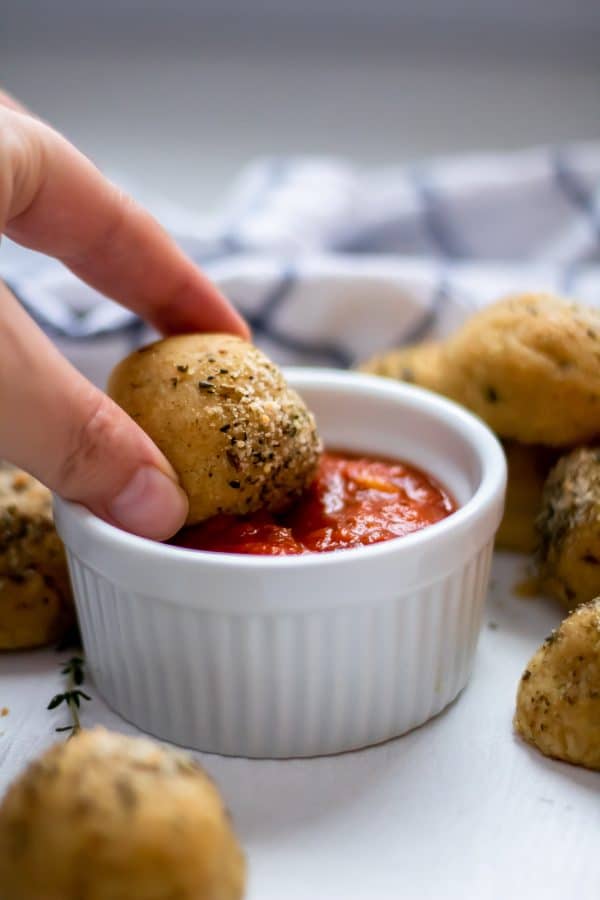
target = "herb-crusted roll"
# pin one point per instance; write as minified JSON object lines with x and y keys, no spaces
{"x":569,"y":529}
{"x":109,"y":817}
{"x":421,"y":364}
{"x":238,"y":437}
{"x":528,"y":365}
{"x":35,"y":594}
{"x":558,"y":701}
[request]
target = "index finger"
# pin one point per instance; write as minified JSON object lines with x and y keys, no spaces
{"x":10,"y":102}
{"x":53,"y":199}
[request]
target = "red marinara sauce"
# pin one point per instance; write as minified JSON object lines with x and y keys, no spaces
{"x":353,"y":501}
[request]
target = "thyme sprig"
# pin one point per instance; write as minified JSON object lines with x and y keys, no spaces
{"x":74,"y":670}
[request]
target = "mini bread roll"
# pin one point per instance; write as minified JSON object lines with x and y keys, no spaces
{"x":36,"y":605}
{"x":108,"y":817}
{"x":528,"y":365}
{"x":421,"y":364}
{"x":238,"y":437}
{"x":558,"y":701}
{"x":569,"y":529}
{"x":528,"y":467}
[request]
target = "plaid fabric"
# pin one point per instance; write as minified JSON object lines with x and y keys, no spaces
{"x":331,"y":263}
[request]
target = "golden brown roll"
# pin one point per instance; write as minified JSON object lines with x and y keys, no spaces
{"x":558,"y":700}
{"x":569,"y":529}
{"x":238,"y":437}
{"x":528,"y":365}
{"x":36,"y":606}
{"x":421,"y":364}
{"x":108,"y":817}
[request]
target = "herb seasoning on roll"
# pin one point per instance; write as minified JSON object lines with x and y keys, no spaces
{"x":239,"y":438}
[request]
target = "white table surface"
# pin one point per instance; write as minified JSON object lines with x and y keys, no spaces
{"x":459,"y":808}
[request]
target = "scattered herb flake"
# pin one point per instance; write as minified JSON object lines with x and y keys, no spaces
{"x":233,"y":460}
{"x":591,"y":558}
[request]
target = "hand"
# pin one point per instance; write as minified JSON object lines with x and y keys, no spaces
{"x":53,"y":422}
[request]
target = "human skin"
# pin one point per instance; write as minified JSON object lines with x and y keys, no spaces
{"x":54,"y":423}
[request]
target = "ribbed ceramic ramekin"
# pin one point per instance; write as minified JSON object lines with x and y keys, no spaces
{"x":301,"y":656}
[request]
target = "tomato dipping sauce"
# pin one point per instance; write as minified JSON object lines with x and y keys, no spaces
{"x":353,"y":501}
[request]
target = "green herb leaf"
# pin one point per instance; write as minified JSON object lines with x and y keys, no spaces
{"x":56,"y":701}
{"x":74,"y":670}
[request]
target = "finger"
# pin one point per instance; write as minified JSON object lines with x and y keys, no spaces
{"x":57,"y":202}
{"x":10,"y":102}
{"x":71,"y":436}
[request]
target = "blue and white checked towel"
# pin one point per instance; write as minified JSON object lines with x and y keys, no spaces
{"x":331,"y":263}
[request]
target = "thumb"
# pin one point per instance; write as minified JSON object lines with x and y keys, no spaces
{"x":71,"y":436}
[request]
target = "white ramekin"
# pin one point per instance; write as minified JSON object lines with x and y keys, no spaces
{"x":301,"y":656}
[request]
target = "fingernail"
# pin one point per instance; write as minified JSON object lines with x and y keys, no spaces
{"x":151,"y":504}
